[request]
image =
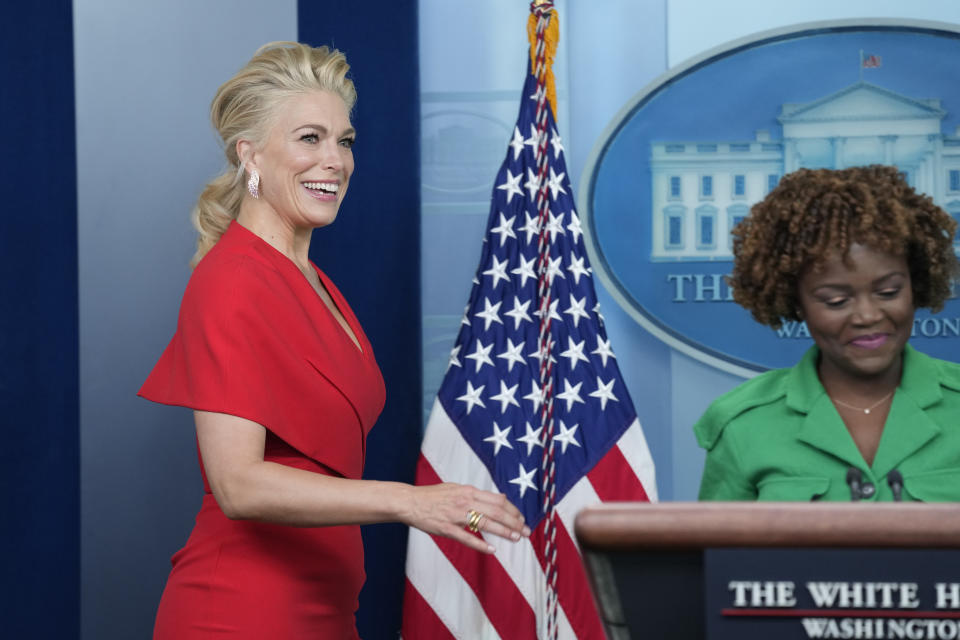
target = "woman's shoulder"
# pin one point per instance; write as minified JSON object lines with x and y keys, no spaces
{"x":949,"y":373}
{"x":766,"y":389}
{"x":237,"y":252}
{"x":928,"y":368}
{"x":236,"y":271}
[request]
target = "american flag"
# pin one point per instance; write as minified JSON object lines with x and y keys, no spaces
{"x":496,"y":414}
{"x":870,"y":61}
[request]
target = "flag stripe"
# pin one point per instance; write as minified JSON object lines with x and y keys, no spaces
{"x":579,"y":496}
{"x":633,"y":446}
{"x":421,"y":620}
{"x":504,"y":605}
{"x":448,"y":456}
{"x":436,"y":580}
{"x":613,"y":479}
{"x":573,"y":588}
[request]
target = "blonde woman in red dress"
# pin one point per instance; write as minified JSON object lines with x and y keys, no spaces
{"x":282,"y":379}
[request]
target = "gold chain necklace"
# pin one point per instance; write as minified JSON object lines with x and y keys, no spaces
{"x":868,"y":409}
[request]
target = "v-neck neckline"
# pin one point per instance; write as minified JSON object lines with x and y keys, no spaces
{"x":355,"y":340}
{"x":352,"y":335}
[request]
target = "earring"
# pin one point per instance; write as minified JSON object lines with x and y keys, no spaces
{"x":253,"y":184}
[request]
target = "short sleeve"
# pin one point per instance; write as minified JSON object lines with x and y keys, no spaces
{"x":241,"y":348}
{"x":723,"y":477}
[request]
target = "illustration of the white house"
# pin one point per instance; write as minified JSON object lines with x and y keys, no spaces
{"x":701,"y":190}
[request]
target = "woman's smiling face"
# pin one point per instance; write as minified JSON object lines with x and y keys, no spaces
{"x":860,"y":313}
{"x":306,"y":162}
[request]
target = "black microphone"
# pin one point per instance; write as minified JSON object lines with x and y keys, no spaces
{"x":855,"y":480}
{"x":895,"y":480}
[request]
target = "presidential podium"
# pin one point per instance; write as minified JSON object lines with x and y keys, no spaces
{"x":774,"y":570}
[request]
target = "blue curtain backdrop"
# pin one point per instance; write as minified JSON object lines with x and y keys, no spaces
{"x":39,"y":460}
{"x":373,"y":254}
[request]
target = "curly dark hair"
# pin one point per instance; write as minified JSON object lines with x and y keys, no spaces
{"x":814,"y":212}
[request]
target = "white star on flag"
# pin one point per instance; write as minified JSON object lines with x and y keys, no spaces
{"x":472,"y":397}
{"x":499,"y":438}
{"x":539,"y":358}
{"x":557,"y":143}
{"x":535,"y":396}
{"x":555,"y":183}
{"x":552,"y":313}
{"x":525,"y":480}
{"x":554,"y":270}
{"x":512,"y":354}
{"x":512,"y":185}
{"x":498,"y":271}
{"x":490,"y":312}
{"x":454,"y":361}
{"x":574,"y":352}
{"x":576,"y":310}
{"x":574,"y":227}
{"x":566,"y":436}
{"x":577,"y":269}
{"x":519,"y":313}
{"x":505,"y":229}
{"x":531,"y":438}
{"x":532,"y":184}
{"x":554,"y":226}
{"x":604,"y":392}
{"x":525,"y":270}
{"x":603,"y":350}
{"x":517,"y":143}
{"x":505,"y":397}
{"x":534,"y":139}
{"x":570,"y":393}
{"x":481,"y":355}
{"x":536,"y":94}
{"x":531,"y":227}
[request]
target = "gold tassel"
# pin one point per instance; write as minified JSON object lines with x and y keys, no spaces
{"x":550,"y":39}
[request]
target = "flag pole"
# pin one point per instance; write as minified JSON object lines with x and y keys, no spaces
{"x":861,"y":66}
{"x":543,"y":33}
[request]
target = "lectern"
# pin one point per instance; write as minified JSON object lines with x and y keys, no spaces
{"x":774,"y":570}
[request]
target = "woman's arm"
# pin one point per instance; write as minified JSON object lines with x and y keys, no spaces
{"x":249,"y":488}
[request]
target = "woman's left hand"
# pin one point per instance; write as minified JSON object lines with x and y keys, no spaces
{"x":448,"y":509}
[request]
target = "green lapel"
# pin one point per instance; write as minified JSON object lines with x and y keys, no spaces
{"x":822,"y":428}
{"x":908,"y":427}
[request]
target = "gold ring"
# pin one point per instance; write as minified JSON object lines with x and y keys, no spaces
{"x":473,"y":520}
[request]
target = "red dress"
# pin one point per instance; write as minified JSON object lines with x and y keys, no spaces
{"x":254,"y":340}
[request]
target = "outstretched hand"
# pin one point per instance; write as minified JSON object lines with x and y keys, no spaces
{"x":445,"y":509}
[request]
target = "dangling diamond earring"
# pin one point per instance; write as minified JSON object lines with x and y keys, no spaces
{"x":253,"y":184}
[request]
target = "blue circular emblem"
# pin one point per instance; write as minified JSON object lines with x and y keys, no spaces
{"x":685,"y":160}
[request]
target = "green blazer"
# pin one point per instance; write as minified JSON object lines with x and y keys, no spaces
{"x":779,"y":437}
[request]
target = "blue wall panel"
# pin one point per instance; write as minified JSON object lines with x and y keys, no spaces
{"x":39,"y":496}
{"x":372,"y":252}
{"x":145,"y":75}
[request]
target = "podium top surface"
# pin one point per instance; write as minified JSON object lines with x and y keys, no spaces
{"x":691,"y":525}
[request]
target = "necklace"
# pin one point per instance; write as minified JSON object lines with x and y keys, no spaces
{"x":868,"y":409}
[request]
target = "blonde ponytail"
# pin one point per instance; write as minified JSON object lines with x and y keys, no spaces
{"x":216,"y":207}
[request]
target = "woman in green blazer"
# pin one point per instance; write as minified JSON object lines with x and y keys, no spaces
{"x":863,"y":415}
